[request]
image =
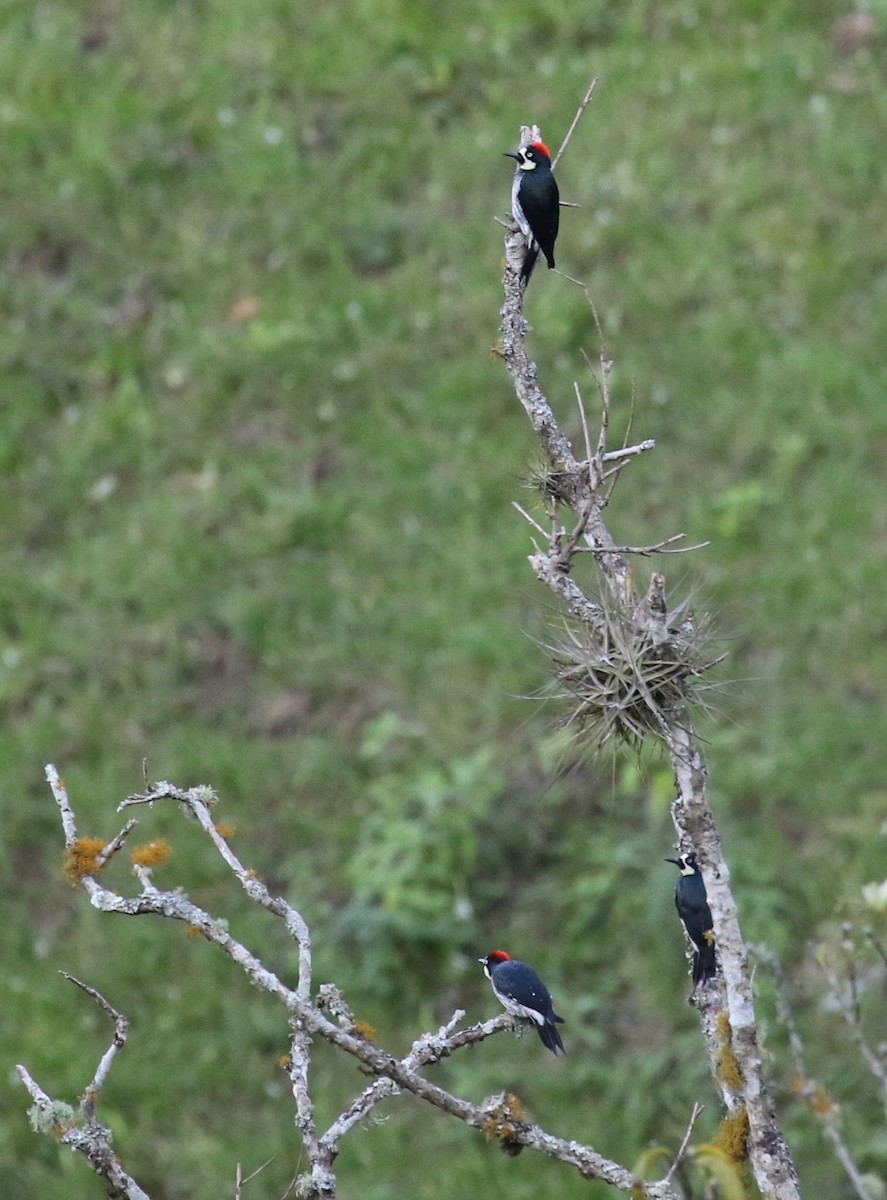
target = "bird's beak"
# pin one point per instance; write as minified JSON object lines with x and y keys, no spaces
{"x":511,"y":154}
{"x":676,"y":861}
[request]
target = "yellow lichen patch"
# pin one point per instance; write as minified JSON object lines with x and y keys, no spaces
{"x":151,"y":854}
{"x":503,"y":1122}
{"x":224,"y":830}
{"x":193,"y":931}
{"x":728,"y":1068}
{"x":365,"y":1030}
{"x":733,"y":1136}
{"x":285,"y":1061}
{"x":82,"y":858}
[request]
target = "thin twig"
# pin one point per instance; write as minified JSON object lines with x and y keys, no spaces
{"x":582,"y":417}
{"x":645,"y":551}
{"x":697,"y":1109}
{"x":121,"y":1024}
{"x":627,"y":451}
{"x":579,"y":111}
{"x":114,"y":845}
{"x":523,"y":512}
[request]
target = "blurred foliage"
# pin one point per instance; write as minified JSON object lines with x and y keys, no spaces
{"x":256,"y":466}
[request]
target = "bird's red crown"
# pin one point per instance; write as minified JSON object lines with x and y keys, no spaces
{"x":498,"y":956}
{"x":542,"y":148}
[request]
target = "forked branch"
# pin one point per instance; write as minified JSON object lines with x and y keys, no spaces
{"x":326,"y":1016}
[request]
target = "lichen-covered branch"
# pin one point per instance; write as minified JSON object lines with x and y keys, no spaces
{"x":83,"y":1131}
{"x":327,"y":1016}
{"x":630,"y":667}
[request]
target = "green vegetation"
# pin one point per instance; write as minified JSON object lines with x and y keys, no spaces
{"x":257,"y":463}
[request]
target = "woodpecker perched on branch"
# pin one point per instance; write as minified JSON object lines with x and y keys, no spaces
{"x":522,"y":993}
{"x":535,"y":203}
{"x":691,"y":902}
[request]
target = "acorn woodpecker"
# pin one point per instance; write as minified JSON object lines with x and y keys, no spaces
{"x":691,"y":902}
{"x":522,"y":993}
{"x":535,"y":203}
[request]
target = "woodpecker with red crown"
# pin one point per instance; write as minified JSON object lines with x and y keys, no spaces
{"x":691,"y":901}
{"x":535,"y":203}
{"x":522,"y":993}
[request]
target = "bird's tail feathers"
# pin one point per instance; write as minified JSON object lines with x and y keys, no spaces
{"x":705,"y":965}
{"x":529,"y":262}
{"x":550,"y":1036}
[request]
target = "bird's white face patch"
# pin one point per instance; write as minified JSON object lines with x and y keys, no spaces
{"x":686,"y":869}
{"x":526,"y":164}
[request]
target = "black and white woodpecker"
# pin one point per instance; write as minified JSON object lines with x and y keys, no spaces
{"x":691,"y":902}
{"x":535,"y":203}
{"x":522,"y":993}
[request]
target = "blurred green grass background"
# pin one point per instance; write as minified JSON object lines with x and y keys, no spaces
{"x":256,"y":472}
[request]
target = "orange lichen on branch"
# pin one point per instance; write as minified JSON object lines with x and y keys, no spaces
{"x":151,"y":854}
{"x":224,"y":830}
{"x":733,"y":1136}
{"x":365,"y":1030}
{"x":82,"y":858}
{"x":728,"y":1071}
{"x":504,"y":1123}
{"x":193,"y":931}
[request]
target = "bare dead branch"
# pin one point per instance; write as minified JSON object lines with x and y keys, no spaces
{"x":83,"y":1132}
{"x":671,"y":721}
{"x":197,"y":802}
{"x":121,"y":1024}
